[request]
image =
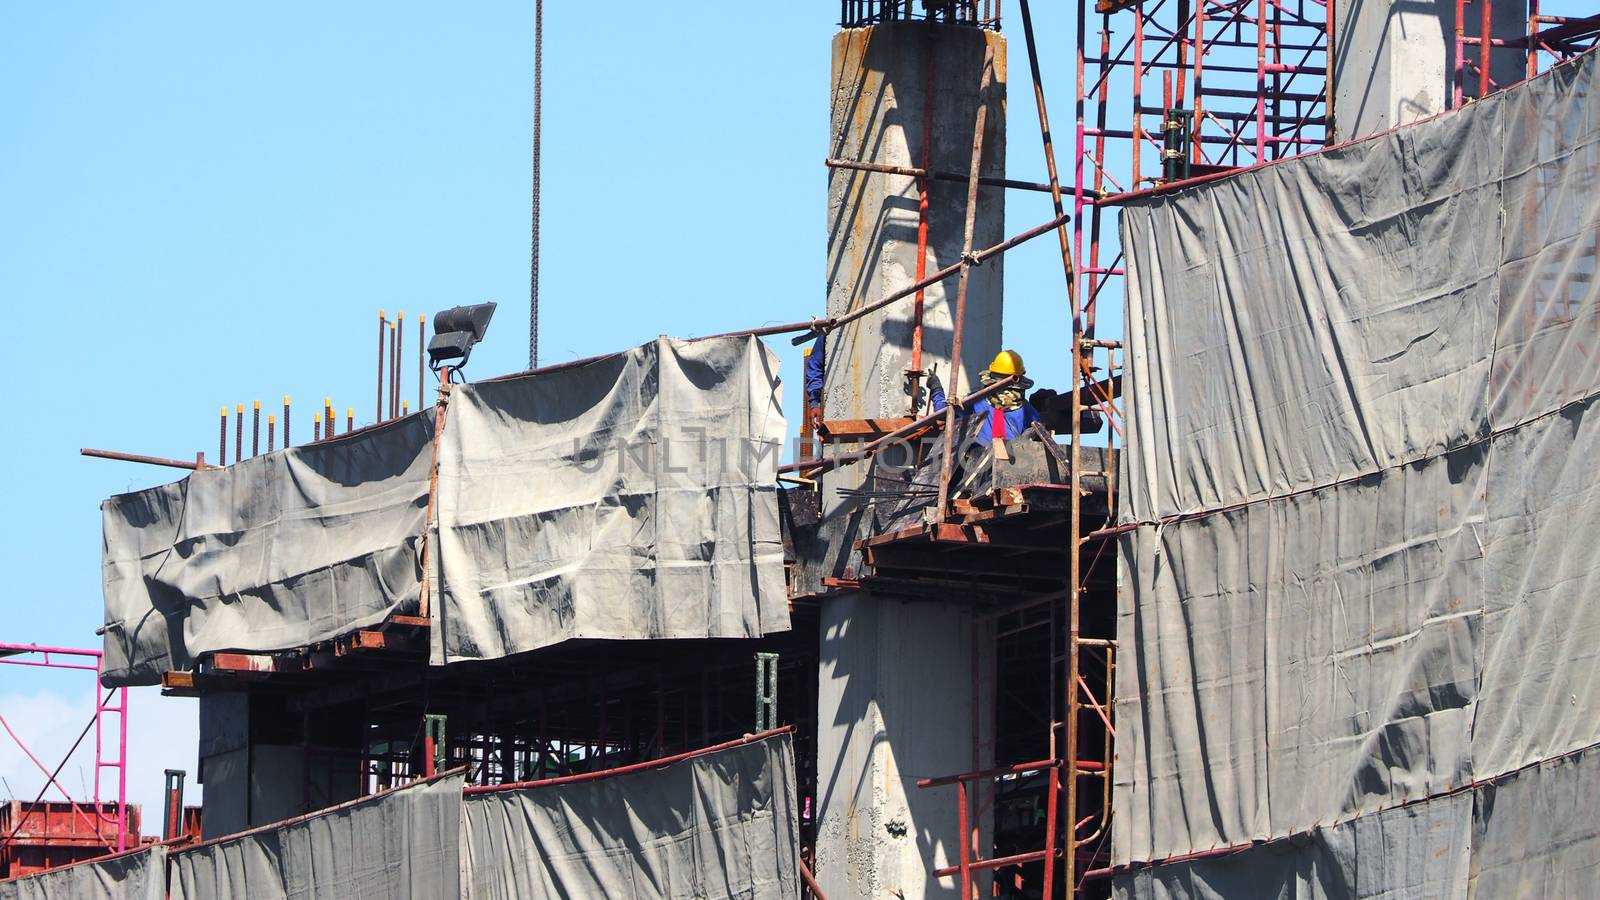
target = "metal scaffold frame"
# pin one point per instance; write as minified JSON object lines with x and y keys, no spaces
{"x":1239,"y":82}
{"x":113,"y":703}
{"x":1546,"y":40}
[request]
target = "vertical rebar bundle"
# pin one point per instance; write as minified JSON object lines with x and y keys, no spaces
{"x":255,"y":429}
{"x":238,"y":441}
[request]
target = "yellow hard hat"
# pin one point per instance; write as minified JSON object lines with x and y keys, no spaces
{"x":1007,"y":362}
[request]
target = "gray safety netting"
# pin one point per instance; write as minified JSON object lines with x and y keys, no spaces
{"x":719,"y":825}
{"x":399,"y":844}
{"x":277,"y":551}
{"x":1361,"y":434}
{"x":632,"y":497}
{"x":137,"y":875}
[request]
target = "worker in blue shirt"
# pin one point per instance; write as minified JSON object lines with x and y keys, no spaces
{"x":1007,"y":406}
{"x":816,"y":366}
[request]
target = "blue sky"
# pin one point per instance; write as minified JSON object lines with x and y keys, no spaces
{"x":206,"y":204}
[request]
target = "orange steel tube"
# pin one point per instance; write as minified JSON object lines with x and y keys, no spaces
{"x":421,"y":320}
{"x":1485,"y":36}
{"x":965,"y":854}
{"x":394,"y":365}
{"x":399,"y":351}
{"x":1050,"y":162}
{"x":928,"y":96}
{"x":811,"y":881}
{"x":383,"y":326}
{"x":965,"y":276}
{"x":148,"y":460}
{"x":628,"y":769}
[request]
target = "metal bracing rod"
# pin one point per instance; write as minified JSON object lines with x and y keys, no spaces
{"x":815,"y":468}
{"x":915,"y":172}
{"x":823,"y":326}
{"x":963,"y":280}
{"x":1050,"y":163}
{"x":149,"y":460}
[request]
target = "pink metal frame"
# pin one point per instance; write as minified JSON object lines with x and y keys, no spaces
{"x":71,"y":659}
{"x":1545,"y":41}
{"x":1252,"y":71}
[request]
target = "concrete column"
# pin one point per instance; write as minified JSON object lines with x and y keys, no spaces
{"x":880,"y":94}
{"x":1394,"y":59}
{"x":897,"y":678}
{"x":895,"y":704}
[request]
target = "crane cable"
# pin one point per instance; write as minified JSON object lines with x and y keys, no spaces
{"x":538,"y":96}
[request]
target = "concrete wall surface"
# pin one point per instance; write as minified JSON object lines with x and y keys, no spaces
{"x":895,"y":704}
{"x":1393,"y":60}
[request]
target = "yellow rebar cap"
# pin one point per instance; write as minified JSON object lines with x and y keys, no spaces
{"x":1007,"y":362}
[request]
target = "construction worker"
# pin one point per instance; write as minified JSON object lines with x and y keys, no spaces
{"x":1007,"y":409}
{"x":816,"y":369}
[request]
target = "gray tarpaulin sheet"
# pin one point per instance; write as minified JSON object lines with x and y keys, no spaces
{"x":719,"y":825}
{"x":403,"y":843}
{"x":632,"y":497}
{"x":140,"y":875}
{"x":277,"y":551}
{"x":1361,"y":444}
{"x":635,"y":497}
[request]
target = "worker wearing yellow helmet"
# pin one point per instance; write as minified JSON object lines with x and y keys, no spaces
{"x":1008,"y":410}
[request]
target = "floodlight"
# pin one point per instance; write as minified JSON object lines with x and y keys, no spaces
{"x":455,"y":331}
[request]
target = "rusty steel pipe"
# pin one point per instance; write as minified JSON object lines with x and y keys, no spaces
{"x":198,"y":463}
{"x":394,"y":363}
{"x":811,"y":881}
{"x":823,"y":326}
{"x":1054,"y":186}
{"x":956,"y":368}
{"x":986,"y":774}
{"x":383,"y":327}
{"x":628,"y":769}
{"x":922,"y":172}
{"x":399,"y":351}
{"x":316,"y":427}
{"x":815,"y":468}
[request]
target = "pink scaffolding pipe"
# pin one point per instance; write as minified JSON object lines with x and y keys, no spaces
{"x":101,"y":709}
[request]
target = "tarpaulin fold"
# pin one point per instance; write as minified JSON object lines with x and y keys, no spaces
{"x":138,"y":875}
{"x":635,"y":497}
{"x":629,"y":498}
{"x":399,"y":844}
{"x":719,"y":825}
{"x":1361,"y":426}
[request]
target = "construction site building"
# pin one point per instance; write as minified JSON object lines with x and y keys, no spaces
{"x":1284,"y":595}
